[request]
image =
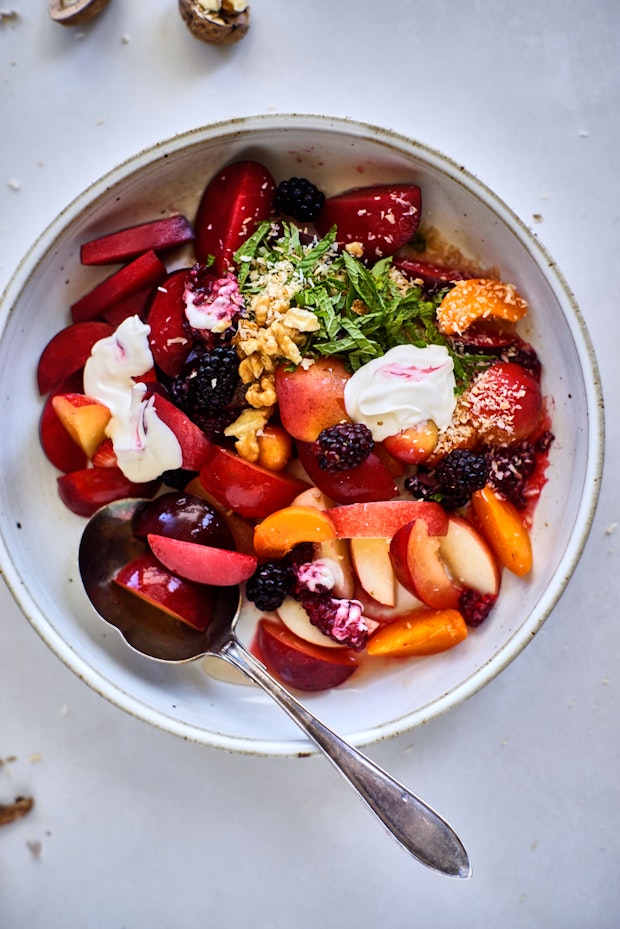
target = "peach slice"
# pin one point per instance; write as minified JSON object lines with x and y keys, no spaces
{"x":281,"y":531}
{"x":504,"y":530}
{"x":413,"y":445}
{"x":421,"y":632}
{"x":311,"y":399}
{"x":84,"y":418}
{"x":383,"y":518}
{"x":414,"y":552}
{"x":203,"y":564}
{"x":478,"y":298}
{"x":338,"y":550}
{"x":371,"y":560}
{"x":297,"y":621}
{"x":469,"y":558}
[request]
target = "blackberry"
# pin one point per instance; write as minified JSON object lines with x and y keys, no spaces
{"x":423,"y":485}
{"x":512,"y":467}
{"x":270,"y":584}
{"x":459,"y":474}
{"x":475,"y":607}
{"x":343,"y":446}
{"x":178,"y":478}
{"x":523,"y":354}
{"x":207,"y":382}
{"x":299,"y":198}
{"x":341,"y":620}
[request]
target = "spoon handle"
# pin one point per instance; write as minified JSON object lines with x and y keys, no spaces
{"x":418,"y":828}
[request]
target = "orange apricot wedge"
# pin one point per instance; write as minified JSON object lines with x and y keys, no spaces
{"x":282,"y":530}
{"x":420,"y":632}
{"x":478,"y":298}
{"x":504,"y":530}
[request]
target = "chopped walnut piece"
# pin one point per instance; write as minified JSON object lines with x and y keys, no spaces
{"x":9,"y":812}
{"x":246,"y":429}
{"x":215,"y":22}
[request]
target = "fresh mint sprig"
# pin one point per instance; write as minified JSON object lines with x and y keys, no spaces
{"x":363,"y":312}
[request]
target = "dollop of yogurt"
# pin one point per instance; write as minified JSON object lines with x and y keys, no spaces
{"x":144,"y":445}
{"x":406,"y":386}
{"x":214,"y":311}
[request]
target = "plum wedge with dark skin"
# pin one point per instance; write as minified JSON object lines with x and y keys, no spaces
{"x":147,"y":270}
{"x":84,"y":491}
{"x":158,"y":235}
{"x":184,"y":517}
{"x":430,"y":274}
{"x":381,"y":218}
{"x":181,"y":599}
{"x":68,"y":351}
{"x":366,"y":482}
{"x":233,"y":203}
{"x":169,"y":340}
{"x":251,"y":491}
{"x":299,"y":663}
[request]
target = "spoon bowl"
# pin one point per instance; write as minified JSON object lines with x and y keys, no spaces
{"x":108,"y":542}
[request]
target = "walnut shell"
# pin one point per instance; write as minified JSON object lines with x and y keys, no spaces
{"x":77,"y":13}
{"x":222,"y":28}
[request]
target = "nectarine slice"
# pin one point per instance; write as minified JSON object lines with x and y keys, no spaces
{"x":278,"y":533}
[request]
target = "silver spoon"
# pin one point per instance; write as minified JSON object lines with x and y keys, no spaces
{"x":108,"y":543}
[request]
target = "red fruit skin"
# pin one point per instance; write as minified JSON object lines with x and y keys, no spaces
{"x":381,"y":520}
{"x":169,"y":339}
{"x":248,"y":489}
{"x":145,"y":271}
{"x":133,"y":305}
{"x":105,"y":456}
{"x":233,"y":203}
{"x":84,"y":491}
{"x":194,"y":443}
{"x":431,"y":274}
{"x":300,"y":664}
{"x":311,"y":399}
{"x":67,"y":352}
{"x":202,"y":564}
{"x":506,"y":403}
{"x":181,"y":599}
{"x":184,"y":517}
{"x":382,"y":218}
{"x":364,"y":483}
{"x":128,"y":243}
{"x":58,"y":446}
{"x":414,"y":553}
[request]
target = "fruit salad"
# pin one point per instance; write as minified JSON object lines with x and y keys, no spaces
{"x":323,"y":405}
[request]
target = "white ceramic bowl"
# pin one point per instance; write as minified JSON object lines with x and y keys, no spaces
{"x":39,"y":537}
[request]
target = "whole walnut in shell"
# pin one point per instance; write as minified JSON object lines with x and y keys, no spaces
{"x":218,"y":23}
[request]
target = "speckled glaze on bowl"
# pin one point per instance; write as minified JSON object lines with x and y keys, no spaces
{"x":39,"y":537}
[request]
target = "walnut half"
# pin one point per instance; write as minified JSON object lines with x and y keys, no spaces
{"x":218,"y":22}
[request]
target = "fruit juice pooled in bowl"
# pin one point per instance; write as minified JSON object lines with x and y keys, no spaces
{"x":320,"y":407}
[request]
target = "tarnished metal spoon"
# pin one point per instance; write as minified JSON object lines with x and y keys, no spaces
{"x":108,"y":543}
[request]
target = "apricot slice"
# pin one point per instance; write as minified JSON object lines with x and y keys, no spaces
{"x":420,"y":632}
{"x":478,"y":298}
{"x":278,"y":533}
{"x":504,"y":530}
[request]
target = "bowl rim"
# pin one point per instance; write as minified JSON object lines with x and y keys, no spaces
{"x":240,"y":126}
